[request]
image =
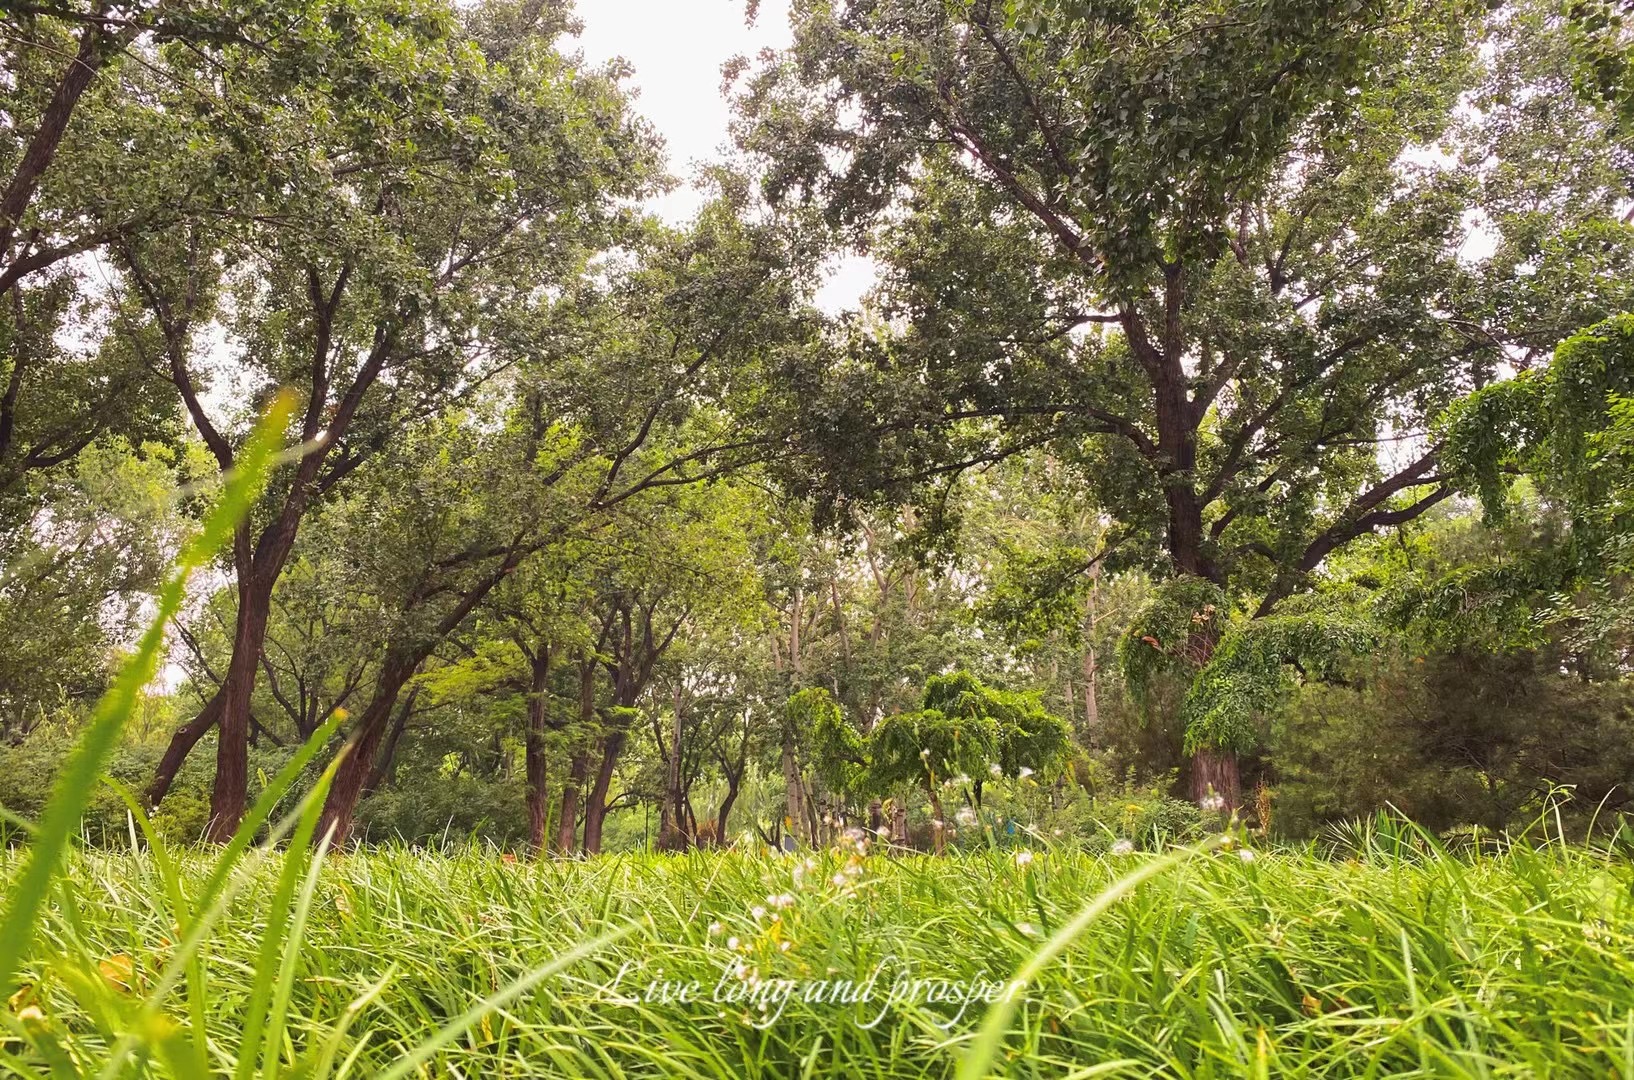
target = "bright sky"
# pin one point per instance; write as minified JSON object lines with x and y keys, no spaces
{"x":677,"y":48}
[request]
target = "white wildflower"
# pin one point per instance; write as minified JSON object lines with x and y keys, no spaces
{"x":1024,"y":772}
{"x":1123,"y":847}
{"x":1024,"y":858}
{"x":780,"y":901}
{"x":715,"y":929}
{"x":1245,"y":855}
{"x":758,"y":912}
{"x":732,"y":943}
{"x":925,"y":753}
{"x":966,"y":816}
{"x":995,"y":769}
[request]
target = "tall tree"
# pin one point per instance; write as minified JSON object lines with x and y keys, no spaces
{"x":410,"y":227}
{"x":1203,"y":252}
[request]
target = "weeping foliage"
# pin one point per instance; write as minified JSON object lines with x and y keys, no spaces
{"x":1255,"y":668}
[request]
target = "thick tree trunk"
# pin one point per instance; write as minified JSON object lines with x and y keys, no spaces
{"x":538,"y":724}
{"x":181,"y":744}
{"x":595,"y":807}
{"x":1215,"y":772}
{"x":229,"y":795}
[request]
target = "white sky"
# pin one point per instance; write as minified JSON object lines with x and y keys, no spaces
{"x":677,"y":48}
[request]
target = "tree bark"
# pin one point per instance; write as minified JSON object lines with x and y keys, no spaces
{"x":795,"y":790}
{"x":1216,"y":771}
{"x":672,"y":827}
{"x":725,"y":812}
{"x":384,"y":764}
{"x":181,"y":744}
{"x":938,"y":826}
{"x":567,"y":829}
{"x":354,"y":771}
{"x":538,"y":724}
{"x":595,"y":807}
{"x":229,"y":795}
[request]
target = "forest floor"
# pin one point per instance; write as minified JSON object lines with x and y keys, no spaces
{"x":1387,"y":959}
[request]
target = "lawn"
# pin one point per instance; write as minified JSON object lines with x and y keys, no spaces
{"x":1386,"y":956}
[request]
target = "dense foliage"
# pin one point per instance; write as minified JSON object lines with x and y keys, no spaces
{"x":1243,"y":412}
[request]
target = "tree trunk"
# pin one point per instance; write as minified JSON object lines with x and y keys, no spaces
{"x":360,"y":754}
{"x":1216,"y":771}
{"x":595,"y":807}
{"x":672,"y":829}
{"x":181,"y":744}
{"x":384,"y":765}
{"x":538,"y":723}
{"x":725,"y":812}
{"x":568,"y":827}
{"x":938,"y":826}
{"x":794,"y":791}
{"x":229,"y":795}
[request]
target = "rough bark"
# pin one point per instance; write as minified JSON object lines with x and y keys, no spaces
{"x":1215,"y":771}
{"x":595,"y":807}
{"x":344,"y":792}
{"x":181,"y":744}
{"x":567,"y":828}
{"x":385,"y":764}
{"x":538,"y":725}
{"x":794,"y":786}
{"x":228,"y":797}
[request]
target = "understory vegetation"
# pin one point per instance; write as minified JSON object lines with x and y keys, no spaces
{"x":1370,"y":953}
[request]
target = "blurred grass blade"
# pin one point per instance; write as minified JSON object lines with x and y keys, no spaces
{"x":77,"y":780}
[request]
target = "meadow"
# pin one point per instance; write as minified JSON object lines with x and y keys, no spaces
{"x":1377,"y":954}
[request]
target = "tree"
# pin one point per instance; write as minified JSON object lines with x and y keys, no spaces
{"x":389,"y":270}
{"x":1200,"y":253}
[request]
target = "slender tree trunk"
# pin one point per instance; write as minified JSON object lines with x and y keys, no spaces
{"x":538,"y":723}
{"x":354,"y":771}
{"x":567,"y":829}
{"x":938,"y":827}
{"x":181,"y":744}
{"x":385,"y":764}
{"x":595,"y":807}
{"x":725,"y":812}
{"x":795,"y":790}
{"x":579,"y":770}
{"x":672,"y":829}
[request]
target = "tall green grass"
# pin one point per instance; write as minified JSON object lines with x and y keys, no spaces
{"x":1396,"y":959}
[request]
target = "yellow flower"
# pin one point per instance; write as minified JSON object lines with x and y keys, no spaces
{"x":119,"y":970}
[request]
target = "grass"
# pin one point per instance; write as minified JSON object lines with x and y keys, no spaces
{"x":1398,"y":960}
